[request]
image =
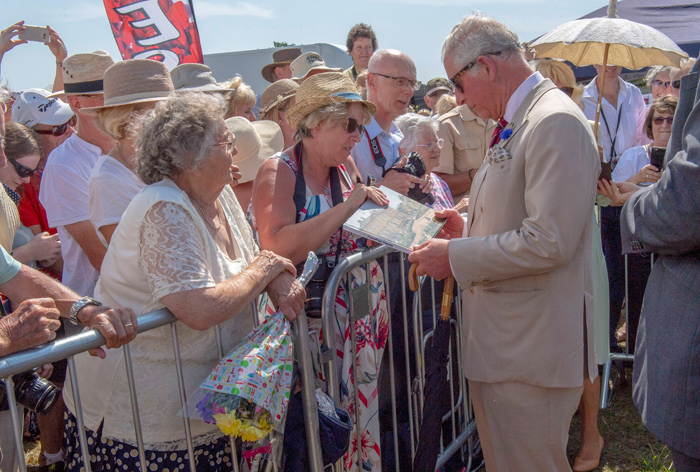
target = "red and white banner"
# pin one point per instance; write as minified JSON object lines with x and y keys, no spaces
{"x":164,"y":30}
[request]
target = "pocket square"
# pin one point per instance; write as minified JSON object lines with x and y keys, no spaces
{"x":497,"y":154}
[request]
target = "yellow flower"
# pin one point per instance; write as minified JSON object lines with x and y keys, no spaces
{"x":228,"y":424}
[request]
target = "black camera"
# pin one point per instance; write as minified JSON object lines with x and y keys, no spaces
{"x":316,"y":286}
{"x":32,"y":392}
{"x":416,"y":166}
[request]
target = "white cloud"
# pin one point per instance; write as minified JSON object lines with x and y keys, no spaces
{"x":210,"y":9}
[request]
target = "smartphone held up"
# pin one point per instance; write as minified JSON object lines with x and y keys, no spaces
{"x":39,"y":34}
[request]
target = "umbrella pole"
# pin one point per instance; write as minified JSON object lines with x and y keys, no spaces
{"x":447,"y":298}
{"x":600,"y":94}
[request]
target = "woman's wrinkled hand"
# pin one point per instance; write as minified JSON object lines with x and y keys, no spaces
{"x":44,"y":247}
{"x":618,"y":193}
{"x":7,"y":37}
{"x":287,"y":295}
{"x":361,"y":193}
{"x":271,"y":265}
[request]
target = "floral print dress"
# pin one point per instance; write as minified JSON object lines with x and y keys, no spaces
{"x":371,"y":334}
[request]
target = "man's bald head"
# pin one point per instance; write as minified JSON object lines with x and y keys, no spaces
{"x":390,"y":58}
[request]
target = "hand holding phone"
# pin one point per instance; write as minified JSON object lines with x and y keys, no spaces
{"x":657,"y":157}
{"x":39,"y":34}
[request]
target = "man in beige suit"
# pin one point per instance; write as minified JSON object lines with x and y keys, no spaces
{"x":522,"y":257}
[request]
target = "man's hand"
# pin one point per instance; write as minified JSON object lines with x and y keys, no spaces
{"x":34,"y":322}
{"x":7,"y":36}
{"x":454,"y":226}
{"x":618,"y":193}
{"x":56,"y":45}
{"x":118,"y":325}
{"x":433,"y":258}
{"x":287,"y":294}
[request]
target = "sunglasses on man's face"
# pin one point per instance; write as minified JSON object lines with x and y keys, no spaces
{"x":22,"y":171}
{"x":352,"y":125}
{"x":676,"y":84}
{"x":58,"y":130}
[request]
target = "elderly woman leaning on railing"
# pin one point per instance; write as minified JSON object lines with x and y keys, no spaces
{"x":184,"y":244}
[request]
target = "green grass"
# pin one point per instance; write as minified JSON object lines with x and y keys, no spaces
{"x":629,"y":447}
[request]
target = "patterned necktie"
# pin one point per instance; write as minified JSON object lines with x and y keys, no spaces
{"x":496,"y":137}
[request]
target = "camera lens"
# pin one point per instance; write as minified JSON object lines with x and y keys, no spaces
{"x":35,"y":393}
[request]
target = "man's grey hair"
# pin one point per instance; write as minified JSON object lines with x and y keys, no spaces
{"x":477,"y":35}
{"x":178,"y":134}
{"x":389,"y":55}
{"x":411,"y":125}
{"x":656,"y":70}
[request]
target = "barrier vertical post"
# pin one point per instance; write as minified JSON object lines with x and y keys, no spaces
{"x":183,"y":396}
{"x":134,"y":406}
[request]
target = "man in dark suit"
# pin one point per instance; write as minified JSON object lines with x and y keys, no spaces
{"x":665,"y":219}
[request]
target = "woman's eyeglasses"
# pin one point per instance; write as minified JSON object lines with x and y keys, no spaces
{"x":433,"y":144}
{"x":659,"y":83}
{"x":58,"y":130}
{"x":658,"y":121}
{"x":230,"y":144}
{"x":22,"y":171}
{"x":352,"y":125}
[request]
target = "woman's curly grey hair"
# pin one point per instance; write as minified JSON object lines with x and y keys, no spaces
{"x":477,"y":35}
{"x":334,"y":112}
{"x":656,"y":70}
{"x":177,"y":134}
{"x":411,"y":125}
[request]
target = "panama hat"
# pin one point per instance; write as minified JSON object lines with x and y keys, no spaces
{"x":255,"y":142}
{"x":280,"y":58}
{"x":134,"y":81}
{"x":33,"y":107}
{"x":321,"y":90}
{"x":195,"y":78}
{"x":276,"y":93}
{"x":307,"y":62}
{"x":83,"y":73}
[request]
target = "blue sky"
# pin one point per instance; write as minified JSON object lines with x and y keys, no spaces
{"x":417,"y":27}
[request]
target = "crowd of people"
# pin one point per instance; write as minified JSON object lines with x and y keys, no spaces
{"x":128,"y":188}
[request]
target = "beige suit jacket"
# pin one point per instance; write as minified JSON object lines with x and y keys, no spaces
{"x":467,"y":139}
{"x":525,"y":263}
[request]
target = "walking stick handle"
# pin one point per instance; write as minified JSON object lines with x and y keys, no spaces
{"x":447,"y":298}
{"x":413,"y":278}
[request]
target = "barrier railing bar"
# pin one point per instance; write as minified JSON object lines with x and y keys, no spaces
{"x":220,"y":351}
{"x":392,"y":380}
{"x":183,"y":396}
{"x":134,"y":406}
{"x":16,"y":427}
{"x":79,"y":420}
{"x":407,"y":356}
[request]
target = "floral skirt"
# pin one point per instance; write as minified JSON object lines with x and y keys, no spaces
{"x":109,"y":454}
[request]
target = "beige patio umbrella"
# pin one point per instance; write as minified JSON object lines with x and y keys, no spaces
{"x":610,"y":40}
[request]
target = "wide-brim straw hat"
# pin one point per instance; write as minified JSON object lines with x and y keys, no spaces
{"x":276,"y":93}
{"x":255,"y":141}
{"x":281,"y":58}
{"x":195,"y":78}
{"x":307,"y":62}
{"x":321,"y":90}
{"x":134,"y":81}
{"x":83,"y":73}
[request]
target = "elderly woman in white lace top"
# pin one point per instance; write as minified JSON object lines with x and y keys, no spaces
{"x":184,"y":244}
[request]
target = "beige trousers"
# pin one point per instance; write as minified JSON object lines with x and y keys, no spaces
{"x":524,"y":428}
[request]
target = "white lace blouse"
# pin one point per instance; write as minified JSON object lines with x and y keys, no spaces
{"x":160,"y":247}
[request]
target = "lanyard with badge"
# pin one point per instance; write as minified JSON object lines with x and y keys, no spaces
{"x":377,"y":153}
{"x":613,"y":141}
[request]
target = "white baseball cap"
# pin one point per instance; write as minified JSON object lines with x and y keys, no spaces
{"x":32,"y":107}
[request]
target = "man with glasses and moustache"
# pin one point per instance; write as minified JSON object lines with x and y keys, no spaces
{"x":64,"y":189}
{"x":522,"y":257}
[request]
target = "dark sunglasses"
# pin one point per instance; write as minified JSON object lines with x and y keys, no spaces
{"x":352,"y":125}
{"x":58,"y":130}
{"x":23,"y":171}
{"x":659,"y":120}
{"x":676,"y":84}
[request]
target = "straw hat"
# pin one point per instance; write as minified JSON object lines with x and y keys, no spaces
{"x":255,"y":142}
{"x":195,"y":78}
{"x":280,"y":58}
{"x":134,"y":81}
{"x":321,"y":90}
{"x":276,"y":93}
{"x":307,"y":62}
{"x":83,"y":73}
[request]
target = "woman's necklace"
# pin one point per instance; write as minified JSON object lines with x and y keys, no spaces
{"x":204,"y":217}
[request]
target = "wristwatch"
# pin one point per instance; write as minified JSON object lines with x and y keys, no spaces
{"x":79,"y":305}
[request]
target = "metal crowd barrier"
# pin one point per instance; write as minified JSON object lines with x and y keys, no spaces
{"x":460,"y":416}
{"x":609,"y":381}
{"x":68,"y":347}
